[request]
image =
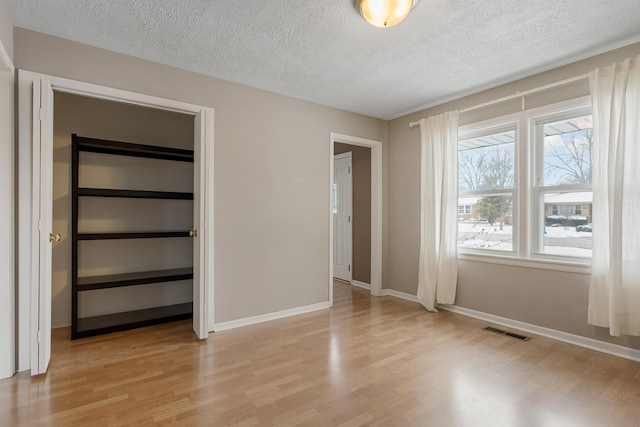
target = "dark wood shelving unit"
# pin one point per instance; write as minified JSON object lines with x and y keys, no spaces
{"x":90,"y":283}
{"x":96,"y":325}
{"x":134,"y":194}
{"x":132,"y":235}
{"x":90,"y":326}
{"x":104,"y":146}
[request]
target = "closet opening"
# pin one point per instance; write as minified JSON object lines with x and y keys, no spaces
{"x":123,"y":206}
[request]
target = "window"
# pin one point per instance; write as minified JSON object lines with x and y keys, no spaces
{"x":464,"y":209}
{"x":526,"y":178}
{"x":564,"y":182}
{"x":486,"y":185}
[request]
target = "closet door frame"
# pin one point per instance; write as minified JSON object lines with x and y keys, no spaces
{"x":32,"y":302}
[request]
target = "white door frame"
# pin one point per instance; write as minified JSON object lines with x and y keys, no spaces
{"x":7,"y":218}
{"x":376,"y":208}
{"x":28,"y":298}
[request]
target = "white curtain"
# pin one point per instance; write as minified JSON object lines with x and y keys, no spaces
{"x":438,"y":267}
{"x":614,"y":293}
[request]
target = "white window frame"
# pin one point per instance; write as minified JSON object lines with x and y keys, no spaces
{"x":538,"y":187}
{"x":526,"y":210}
{"x":485,"y":128}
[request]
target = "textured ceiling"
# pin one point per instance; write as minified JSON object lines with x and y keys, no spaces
{"x":323,"y":51}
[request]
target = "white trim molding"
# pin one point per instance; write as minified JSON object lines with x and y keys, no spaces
{"x":6,"y":64}
{"x":590,"y":343}
{"x":8,"y":153}
{"x":232,"y":324}
{"x":360,"y":284}
{"x":401,"y":295}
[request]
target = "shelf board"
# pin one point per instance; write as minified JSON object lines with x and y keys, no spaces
{"x":132,"y":235}
{"x":104,"y":146}
{"x":91,"y":283}
{"x":89,"y":326}
{"x":133,"y":194}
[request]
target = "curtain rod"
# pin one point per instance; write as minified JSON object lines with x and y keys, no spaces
{"x":517,"y":95}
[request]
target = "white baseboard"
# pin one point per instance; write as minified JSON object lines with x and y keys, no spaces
{"x":590,"y":343}
{"x":360,"y":284}
{"x":232,"y":324}
{"x":398,"y":294}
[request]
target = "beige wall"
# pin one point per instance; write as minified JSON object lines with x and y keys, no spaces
{"x":547,"y":298}
{"x":271,"y":171}
{"x":361,"y":164}
{"x":119,"y":122}
{"x":6,"y":30}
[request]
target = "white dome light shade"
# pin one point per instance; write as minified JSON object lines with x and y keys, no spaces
{"x":384,"y":13}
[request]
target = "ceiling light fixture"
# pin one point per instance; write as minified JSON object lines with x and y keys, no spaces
{"x":384,"y":13}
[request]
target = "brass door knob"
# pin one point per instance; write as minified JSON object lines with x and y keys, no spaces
{"x":193,"y":233}
{"x":54,"y":237}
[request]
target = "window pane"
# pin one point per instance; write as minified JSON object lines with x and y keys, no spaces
{"x":567,"y":232}
{"x":488,"y":224}
{"x":567,"y":151}
{"x":487,"y":162}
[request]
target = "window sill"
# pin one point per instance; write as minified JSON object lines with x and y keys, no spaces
{"x":540,"y":264}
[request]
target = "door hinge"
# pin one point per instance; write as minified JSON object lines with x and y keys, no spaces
{"x":41,"y":113}
{"x":349,"y":169}
{"x":39,"y":336}
{"x":349,"y":267}
{"x":349,"y":218}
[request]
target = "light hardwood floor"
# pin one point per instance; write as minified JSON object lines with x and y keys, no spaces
{"x":365,"y":362}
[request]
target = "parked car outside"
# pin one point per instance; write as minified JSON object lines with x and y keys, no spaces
{"x":584,"y":227}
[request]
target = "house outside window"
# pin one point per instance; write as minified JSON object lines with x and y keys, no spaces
{"x":554,"y":209}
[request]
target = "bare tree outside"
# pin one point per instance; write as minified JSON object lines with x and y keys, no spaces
{"x":489,"y":168}
{"x":499,"y":171}
{"x":486,"y":168}
{"x":471,"y":169}
{"x":568,"y":158}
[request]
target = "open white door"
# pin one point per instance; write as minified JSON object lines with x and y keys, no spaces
{"x":342,"y":216}
{"x":43,"y":220}
{"x":199,"y":235}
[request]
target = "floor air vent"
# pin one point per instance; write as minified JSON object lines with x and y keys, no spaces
{"x":509,"y":334}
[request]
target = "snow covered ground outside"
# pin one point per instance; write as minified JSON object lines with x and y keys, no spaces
{"x":558,"y":240}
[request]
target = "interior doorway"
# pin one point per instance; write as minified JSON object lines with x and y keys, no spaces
{"x":374,"y":252}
